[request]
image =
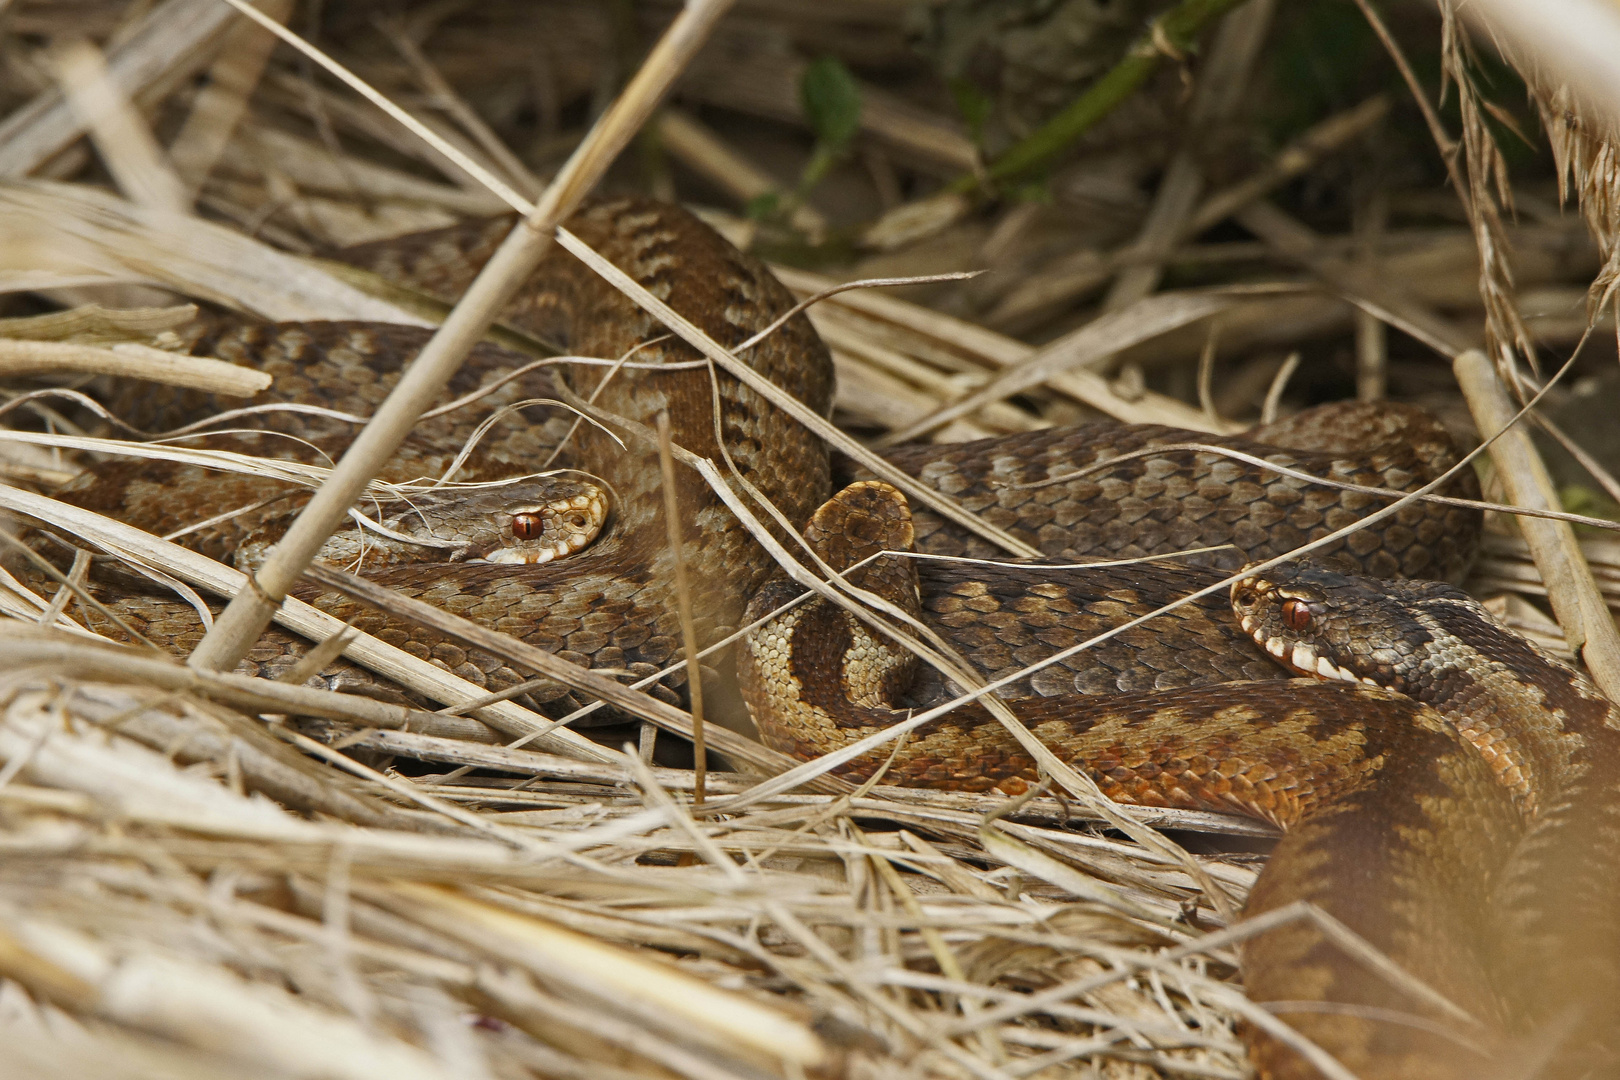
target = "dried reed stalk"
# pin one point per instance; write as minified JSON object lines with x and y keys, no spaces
{"x":1571,"y":588}
{"x":222,"y":103}
{"x":130,"y":360}
{"x":171,"y":38}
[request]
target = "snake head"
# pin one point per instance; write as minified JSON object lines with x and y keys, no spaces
{"x":552,"y":526}
{"x":532,"y":521}
{"x":1327,"y":625}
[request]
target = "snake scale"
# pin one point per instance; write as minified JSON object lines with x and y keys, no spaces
{"x":1488,"y":874}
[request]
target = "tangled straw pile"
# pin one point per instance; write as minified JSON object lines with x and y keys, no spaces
{"x":208,"y":876}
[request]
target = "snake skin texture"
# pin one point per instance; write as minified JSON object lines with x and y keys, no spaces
{"x":1550,"y":935}
{"x":1198,"y":714}
{"x":610,"y":606}
{"x":1174,"y":500}
{"x":1448,"y":793}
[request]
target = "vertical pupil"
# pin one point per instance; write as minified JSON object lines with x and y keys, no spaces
{"x":1296,"y":615}
{"x":526,"y":526}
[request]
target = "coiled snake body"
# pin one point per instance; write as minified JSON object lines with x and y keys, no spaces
{"x":1400,"y":827}
{"x":1467,"y":825}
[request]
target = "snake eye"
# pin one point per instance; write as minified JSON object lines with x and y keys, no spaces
{"x":1296,"y":614}
{"x":528,"y":526}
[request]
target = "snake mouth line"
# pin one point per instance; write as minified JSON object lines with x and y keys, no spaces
{"x":1301,"y":658}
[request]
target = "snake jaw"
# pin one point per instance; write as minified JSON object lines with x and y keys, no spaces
{"x":1301,"y":659}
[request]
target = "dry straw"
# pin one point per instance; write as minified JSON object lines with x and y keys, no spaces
{"x":549,"y":906}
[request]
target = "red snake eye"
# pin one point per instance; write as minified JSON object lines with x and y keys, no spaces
{"x":1296,"y":614}
{"x":527,"y":526}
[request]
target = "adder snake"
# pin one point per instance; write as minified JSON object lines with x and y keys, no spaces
{"x":1397,"y":824}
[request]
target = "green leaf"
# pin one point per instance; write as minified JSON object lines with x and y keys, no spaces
{"x":831,"y":101}
{"x":765,"y":206}
{"x":974,"y":105}
{"x":1037,"y":189}
{"x":1577,"y":499}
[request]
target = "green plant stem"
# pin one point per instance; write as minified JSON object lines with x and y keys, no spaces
{"x":1178,"y":28}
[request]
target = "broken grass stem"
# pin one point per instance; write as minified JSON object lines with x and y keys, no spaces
{"x":683,"y":602}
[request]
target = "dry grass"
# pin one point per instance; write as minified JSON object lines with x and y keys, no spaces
{"x":194,"y":885}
